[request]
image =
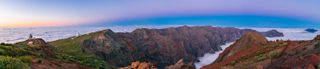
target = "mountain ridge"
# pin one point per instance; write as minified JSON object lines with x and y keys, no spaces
{"x":177,"y":43}
{"x":277,"y":54}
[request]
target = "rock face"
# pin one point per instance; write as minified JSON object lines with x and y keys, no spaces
{"x":162,"y":47}
{"x":252,"y":51}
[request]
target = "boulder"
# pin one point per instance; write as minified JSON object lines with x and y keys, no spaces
{"x":139,"y":65}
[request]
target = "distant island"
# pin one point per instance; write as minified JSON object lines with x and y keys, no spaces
{"x":311,"y":30}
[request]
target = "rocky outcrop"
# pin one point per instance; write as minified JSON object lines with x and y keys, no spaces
{"x":162,"y":47}
{"x":36,"y":43}
{"x":254,"y":52}
{"x":139,"y":65}
{"x":40,"y":46}
{"x":181,"y":64}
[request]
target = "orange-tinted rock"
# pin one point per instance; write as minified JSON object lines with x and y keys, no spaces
{"x":181,"y":64}
{"x":139,"y":65}
{"x":310,"y":66}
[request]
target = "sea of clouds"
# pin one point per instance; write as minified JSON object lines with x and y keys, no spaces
{"x":13,"y":35}
{"x":209,"y":58}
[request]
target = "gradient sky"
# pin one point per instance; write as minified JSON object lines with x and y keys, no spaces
{"x":256,"y":13}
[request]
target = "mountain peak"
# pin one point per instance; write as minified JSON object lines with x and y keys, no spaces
{"x":254,"y":37}
{"x":248,"y":40}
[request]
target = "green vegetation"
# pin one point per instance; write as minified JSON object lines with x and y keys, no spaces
{"x":317,"y":46}
{"x":233,"y":63}
{"x":13,"y":57}
{"x":12,"y":51}
{"x":260,"y":57}
{"x":12,"y":63}
{"x":25,"y":59}
{"x":283,"y":44}
{"x":70,"y":50}
{"x":274,"y":54}
{"x":91,"y":61}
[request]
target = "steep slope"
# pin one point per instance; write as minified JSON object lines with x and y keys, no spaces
{"x":161,"y":47}
{"x":249,"y":40}
{"x":269,"y":55}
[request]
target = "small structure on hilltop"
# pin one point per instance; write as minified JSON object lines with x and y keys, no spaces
{"x":30,"y":36}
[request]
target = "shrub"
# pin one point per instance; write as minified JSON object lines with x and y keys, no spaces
{"x":260,"y":57}
{"x":274,"y":54}
{"x":12,"y":51}
{"x":317,"y":46}
{"x":26,"y":59}
{"x":88,"y":61}
{"x":12,"y":63}
{"x":233,"y":63}
{"x":93,"y":62}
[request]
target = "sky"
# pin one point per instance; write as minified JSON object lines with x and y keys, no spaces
{"x":252,"y":13}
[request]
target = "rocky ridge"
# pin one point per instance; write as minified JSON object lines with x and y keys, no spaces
{"x":259,"y":54}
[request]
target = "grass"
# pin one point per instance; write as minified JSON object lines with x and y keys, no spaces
{"x":317,"y":46}
{"x":12,"y":51}
{"x":13,"y":57}
{"x":260,"y":57}
{"x":7,"y":62}
{"x":274,"y":54}
{"x":70,"y":49}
